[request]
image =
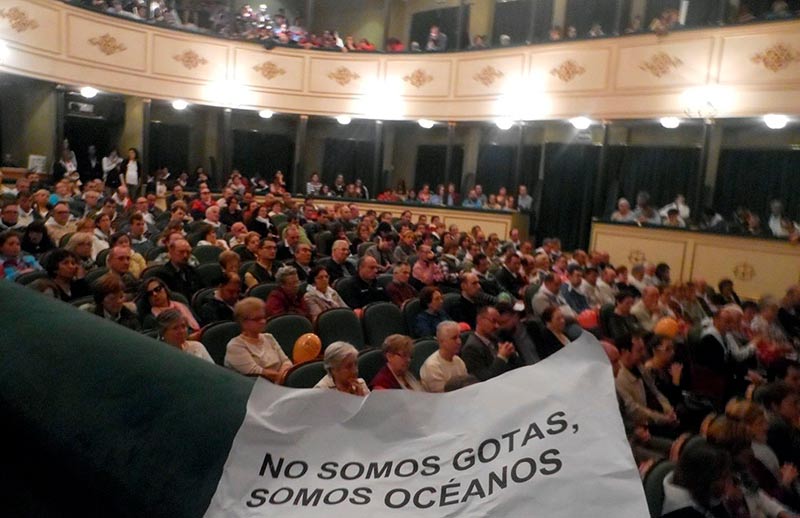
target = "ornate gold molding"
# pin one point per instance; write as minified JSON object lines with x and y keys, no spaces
{"x":190,"y":59}
{"x":269,"y":70}
{"x":660,"y":64}
{"x":343,"y":76}
{"x":777,"y":57}
{"x":744,"y":271}
{"x":636,"y":257}
{"x":418,"y":78}
{"x":568,"y":70}
{"x":107,"y":44}
{"x":488,"y":75}
{"x":18,"y":19}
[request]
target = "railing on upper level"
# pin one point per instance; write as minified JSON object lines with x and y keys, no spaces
{"x":734,"y":71}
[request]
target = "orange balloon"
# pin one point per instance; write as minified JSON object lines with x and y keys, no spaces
{"x":667,"y":326}
{"x":306,"y":348}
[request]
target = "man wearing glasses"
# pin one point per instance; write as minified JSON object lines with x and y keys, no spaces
{"x":60,"y":222}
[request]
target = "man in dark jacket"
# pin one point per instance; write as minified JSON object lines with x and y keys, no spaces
{"x":484,"y":357}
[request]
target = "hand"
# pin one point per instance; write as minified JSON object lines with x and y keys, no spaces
{"x":788,"y":474}
{"x":672,"y":418}
{"x":505,"y":350}
{"x":675,"y":371}
{"x":755,"y":378}
{"x":642,"y":434}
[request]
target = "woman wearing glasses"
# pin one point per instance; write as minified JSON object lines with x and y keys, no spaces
{"x":154,"y":299}
{"x":253,"y":352}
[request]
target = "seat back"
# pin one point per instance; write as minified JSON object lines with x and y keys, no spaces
{"x":210,"y":274}
{"x":362,"y":248}
{"x":206,"y":254}
{"x":154,"y":271}
{"x":384,"y":280}
{"x":654,"y":486}
{"x":287,"y":329}
{"x":245,"y":266}
{"x":338,"y":324}
{"x":369,"y":363}
{"x":305,"y":375}
{"x":200,"y":297}
{"x":262,"y":290}
{"x":530,"y":291}
{"x":324,"y":240}
{"x":154,"y":252}
{"x":95,"y":274}
{"x":100,"y":260}
{"x":216,"y":337}
{"x":411,"y":309}
{"x":422,"y":350}
{"x":451,"y":300}
{"x":605,"y":317}
{"x":347,"y":288}
{"x":382,"y":319}
{"x":27,"y":278}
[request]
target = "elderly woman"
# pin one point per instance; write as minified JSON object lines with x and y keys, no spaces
{"x":109,"y":302}
{"x":13,"y":262}
{"x":154,"y":299}
{"x":341,"y":363}
{"x":430,"y":301}
{"x":287,"y":297}
{"x":63,"y":268}
{"x":253,"y":352}
{"x":553,"y":337}
{"x":320,"y":296}
{"x":80,"y":244}
{"x":172,"y":330}
{"x":395,"y":375}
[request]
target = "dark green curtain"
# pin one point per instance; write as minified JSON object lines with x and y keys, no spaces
{"x":512,"y":18}
{"x":263,"y":154}
{"x":430,"y":166}
{"x":169,"y":146}
{"x":567,"y":191}
{"x":583,"y":13}
{"x":496,"y":168}
{"x":446,"y":19}
{"x":351,"y":158}
{"x":664,"y":172}
{"x":751,"y":178}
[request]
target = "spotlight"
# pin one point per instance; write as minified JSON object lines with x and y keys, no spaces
{"x":89,"y":92}
{"x":581,"y":123}
{"x":426,"y":123}
{"x":344,"y":120}
{"x":504,"y":123}
{"x":266,"y":114}
{"x":776,"y":121}
{"x":179,"y":104}
{"x":670,"y":122}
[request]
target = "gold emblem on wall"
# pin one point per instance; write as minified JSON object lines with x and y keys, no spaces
{"x":343,"y":76}
{"x":418,"y":78}
{"x":744,"y":271}
{"x":488,"y":75}
{"x":661,"y":64}
{"x":269,"y":70}
{"x":777,"y":57}
{"x":636,"y":257}
{"x":190,"y":59}
{"x":568,"y":70}
{"x":18,"y":19}
{"x":107,"y":44}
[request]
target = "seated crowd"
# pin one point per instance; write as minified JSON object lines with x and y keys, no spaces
{"x":687,"y":358}
{"x":677,"y":214}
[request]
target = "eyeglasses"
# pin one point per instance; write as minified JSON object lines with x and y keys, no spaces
{"x":157,"y":289}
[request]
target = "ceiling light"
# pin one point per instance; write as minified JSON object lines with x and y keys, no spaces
{"x":504,"y":123}
{"x":581,"y":123}
{"x":179,"y":104}
{"x":426,"y":123}
{"x":670,"y":122}
{"x":266,"y":114}
{"x":776,"y":121}
{"x":89,"y":92}
{"x":343,"y":119}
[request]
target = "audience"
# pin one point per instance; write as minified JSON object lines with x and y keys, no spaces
{"x":172,"y":327}
{"x":220,"y":307}
{"x":341,"y":366}
{"x":484,"y":357}
{"x":444,"y":365}
{"x":395,"y":374}
{"x":320,"y":296}
{"x":253,"y":352}
{"x":286,"y":298}
{"x":430,"y":302}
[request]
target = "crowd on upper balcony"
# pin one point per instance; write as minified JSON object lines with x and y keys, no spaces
{"x":258,"y":23}
{"x":677,"y":214}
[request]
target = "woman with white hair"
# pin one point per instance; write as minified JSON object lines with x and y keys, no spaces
{"x":254,"y":352}
{"x":623,"y":214}
{"x":341,"y":362}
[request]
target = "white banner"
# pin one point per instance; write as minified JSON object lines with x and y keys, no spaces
{"x":545,"y":440}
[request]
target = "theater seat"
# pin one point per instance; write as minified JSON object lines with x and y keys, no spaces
{"x":382,"y":319}
{"x":305,"y":375}
{"x":95,"y":274}
{"x":654,"y":486}
{"x":216,"y":337}
{"x":338,"y":324}
{"x":100,"y":260}
{"x":261,"y":291}
{"x":422,"y":349}
{"x":200,"y":297}
{"x":210,"y":274}
{"x":369,"y":363}
{"x":411,"y":309}
{"x":451,"y":300}
{"x":287,"y":329}
{"x":206,"y":254}
{"x":27,"y":278}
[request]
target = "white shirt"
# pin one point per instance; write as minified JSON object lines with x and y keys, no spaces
{"x":436,"y":371}
{"x":198,"y":350}
{"x":132,"y":173}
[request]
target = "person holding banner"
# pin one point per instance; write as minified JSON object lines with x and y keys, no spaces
{"x":341,"y":362}
{"x":254,"y":353}
{"x":484,"y":357}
